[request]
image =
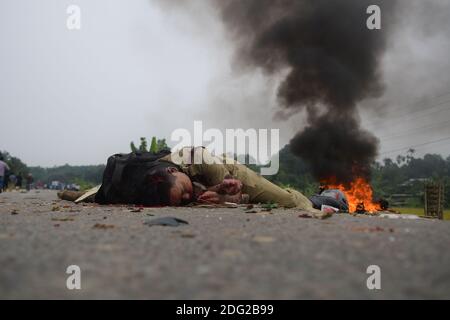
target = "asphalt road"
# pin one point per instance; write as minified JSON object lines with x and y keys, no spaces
{"x":220,"y":254}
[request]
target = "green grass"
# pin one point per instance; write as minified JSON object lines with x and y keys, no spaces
{"x":419,"y":211}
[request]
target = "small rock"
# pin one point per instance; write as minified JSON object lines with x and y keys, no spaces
{"x":166,"y":221}
{"x":188,"y":235}
{"x":63,"y":219}
{"x":103,"y":226}
{"x":263,"y":239}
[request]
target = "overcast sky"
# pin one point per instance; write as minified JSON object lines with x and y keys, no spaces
{"x":139,"y":68}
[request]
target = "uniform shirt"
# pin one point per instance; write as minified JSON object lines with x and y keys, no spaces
{"x":211,"y":170}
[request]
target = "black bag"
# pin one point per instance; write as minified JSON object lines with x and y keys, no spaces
{"x":125,"y":179}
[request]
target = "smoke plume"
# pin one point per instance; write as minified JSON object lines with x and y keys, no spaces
{"x":329,"y":61}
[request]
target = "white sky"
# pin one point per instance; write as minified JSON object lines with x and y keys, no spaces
{"x":137,"y":68}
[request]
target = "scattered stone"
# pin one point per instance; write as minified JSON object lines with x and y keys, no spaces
{"x":63,"y":219}
{"x":166,"y":221}
{"x":103,"y":226}
{"x":188,"y":235}
{"x":263,"y":239}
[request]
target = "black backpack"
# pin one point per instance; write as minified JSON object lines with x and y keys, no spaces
{"x":125,"y":179}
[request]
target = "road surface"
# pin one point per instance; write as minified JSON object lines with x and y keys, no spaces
{"x":220,"y":254}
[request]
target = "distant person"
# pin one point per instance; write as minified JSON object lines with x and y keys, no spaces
{"x":12,"y":181}
{"x":30,"y":181}
{"x":3,"y":168}
{"x":19,"y":181}
{"x":5,"y":181}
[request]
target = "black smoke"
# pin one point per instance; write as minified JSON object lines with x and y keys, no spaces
{"x":330,"y":60}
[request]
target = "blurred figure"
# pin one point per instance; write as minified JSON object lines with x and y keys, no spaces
{"x":30,"y":181}
{"x":3,"y":168}
{"x":12,"y":182}
{"x":19,"y":181}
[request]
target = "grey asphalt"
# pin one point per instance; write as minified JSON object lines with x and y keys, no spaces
{"x":220,"y":254}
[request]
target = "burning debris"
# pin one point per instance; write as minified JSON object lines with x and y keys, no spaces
{"x":356,"y":198}
{"x":359,"y":195}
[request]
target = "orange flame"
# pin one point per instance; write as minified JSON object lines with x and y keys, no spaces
{"x":359,"y":195}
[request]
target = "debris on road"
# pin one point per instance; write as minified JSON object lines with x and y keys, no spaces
{"x":263,"y":239}
{"x":63,"y":219}
{"x":398,"y":216}
{"x":103,"y":226}
{"x":371,"y":229}
{"x":188,"y":235}
{"x":318,"y":215}
{"x":166,"y":221}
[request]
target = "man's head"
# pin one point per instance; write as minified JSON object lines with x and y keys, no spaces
{"x":173,"y":187}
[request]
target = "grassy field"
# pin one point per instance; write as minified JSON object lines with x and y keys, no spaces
{"x":419,"y":211}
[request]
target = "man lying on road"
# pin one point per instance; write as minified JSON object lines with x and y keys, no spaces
{"x":179,"y":178}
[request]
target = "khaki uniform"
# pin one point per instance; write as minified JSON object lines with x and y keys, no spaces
{"x":211,"y":170}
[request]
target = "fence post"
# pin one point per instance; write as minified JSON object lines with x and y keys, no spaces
{"x":434,"y":200}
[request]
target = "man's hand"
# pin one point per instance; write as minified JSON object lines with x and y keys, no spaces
{"x":209,"y":197}
{"x":230,"y":186}
{"x":227,"y":186}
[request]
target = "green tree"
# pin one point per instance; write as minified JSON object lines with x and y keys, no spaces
{"x":154,"y":146}
{"x":162,"y":145}
{"x":143,"y":146}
